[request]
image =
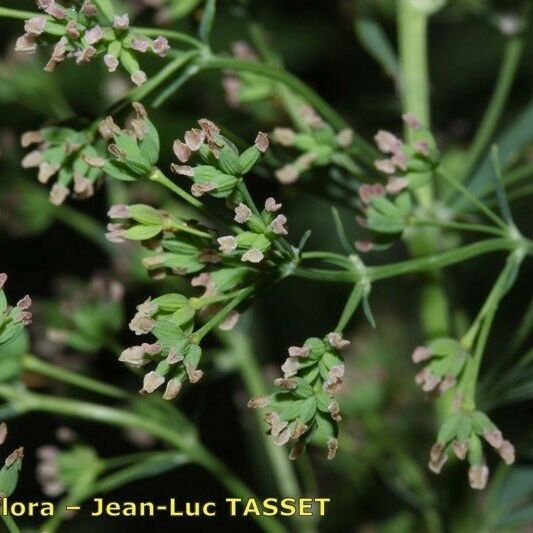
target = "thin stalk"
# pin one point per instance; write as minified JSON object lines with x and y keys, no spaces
{"x":31,"y":363}
{"x":479,"y":228}
{"x":351,"y":305}
{"x":18,"y":14}
{"x":171,"y":35}
{"x":493,"y":113}
{"x":25,"y":402}
{"x":10,"y":524}
{"x":158,"y":176}
{"x":489,"y":213}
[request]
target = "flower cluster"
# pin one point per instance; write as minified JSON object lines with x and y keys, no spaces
{"x":12,"y":319}
{"x":133,"y":150}
{"x":447,"y":359}
{"x":386,"y":208}
{"x":83,"y":34}
{"x":67,"y":155}
{"x":85,"y":317}
{"x":223,"y":167}
{"x":461,"y":435}
{"x":243,"y":88}
{"x":306,"y":405}
{"x":9,"y":473}
{"x":320,"y":145}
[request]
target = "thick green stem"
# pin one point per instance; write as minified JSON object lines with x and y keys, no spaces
{"x":350,"y":307}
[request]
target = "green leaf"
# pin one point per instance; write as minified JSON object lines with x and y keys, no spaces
{"x":145,"y":215}
{"x":229,"y":160}
{"x":208,"y":17}
{"x":248,"y":159}
{"x":9,"y":476}
{"x":119,"y":170}
{"x":142,"y":233}
{"x":149,"y":146}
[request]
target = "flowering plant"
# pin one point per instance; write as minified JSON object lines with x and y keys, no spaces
{"x":205,"y":222}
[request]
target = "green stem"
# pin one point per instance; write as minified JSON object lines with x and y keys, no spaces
{"x":350,"y":307}
{"x":18,"y":14}
{"x":491,"y":119}
{"x":31,"y":363}
{"x":479,"y":228}
{"x":158,"y":176}
{"x":24,"y":401}
{"x":10,"y":524}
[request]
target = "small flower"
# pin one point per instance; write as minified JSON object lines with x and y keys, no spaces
{"x":161,"y":46}
{"x":336,"y":340}
{"x":58,"y":194}
{"x":345,"y":137}
{"x":199,"y":189}
{"x":121,"y":22}
{"x":194,"y":138}
{"x":387,"y":142}
{"x":24,"y":303}
{"x":138,"y":77}
{"x":422,"y":147}
{"x":437,"y":458}
{"x":13,"y":457}
{"x":258,"y":402}
{"x":108,"y":128}
{"x":140,"y":45}
{"x":118,"y":211}
{"x":32,"y":159}
{"x":460,"y":449}
{"x":364,"y":246}
{"x":290,"y":367}
{"x":193,"y":374}
{"x":412,"y":121}
{"x":332,"y":448}
{"x":182,"y":170}
{"x":31,"y":137}
{"x":72,"y":30}
{"x":271,"y":206}
{"x":261,"y":142}
{"x":396,"y":185}
{"x":421,"y":353}
{"x":252,"y":256}
{"x":172,"y":390}
{"x":3,"y":279}
{"x":181,"y":151}
{"x":84,"y":55}
{"x":94,"y":35}
{"x":311,"y":117}
{"x":141,"y":324}
{"x":46,"y":171}
{"x":111,"y":62}
{"x":133,"y":356}
{"x":227,"y":244}
{"x":478,"y":476}
{"x":242,"y":213}
{"x":152,"y":381}
{"x":385,"y":165}
{"x":35,"y":25}
{"x":333,"y":383}
{"x":26,"y":44}
{"x":334,"y":411}
{"x":115,"y":233}
{"x":3,"y":431}
{"x":278,"y":225}
{"x":284,"y":136}
{"x":507,"y":452}
{"x":287,"y":174}
{"x":299,"y":351}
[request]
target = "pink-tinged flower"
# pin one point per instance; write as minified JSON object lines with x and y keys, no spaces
{"x":396,"y":185}
{"x":278,"y":225}
{"x":284,"y":136}
{"x":287,"y":174}
{"x":507,"y":452}
{"x":174,"y":357}
{"x":115,"y":233}
{"x":385,"y":165}
{"x":286,"y":383}
{"x":210,"y":128}
{"x":94,"y":35}
{"x":335,"y":411}
{"x":336,"y":340}
{"x":89,"y":9}
{"x":333,"y":383}
{"x":261,"y":142}
{"x":161,"y":46}
{"x":138,"y":77}
{"x":345,"y":137}
{"x":387,"y":142}
{"x":271,"y":206}
{"x":118,"y":211}
{"x":230,"y":322}
{"x":182,"y":170}
{"x":35,"y":25}
{"x":140,"y":45}
{"x":364,"y":246}
{"x":290,"y":367}
{"x":199,"y":189}
{"x":242,"y":50}
{"x":3,"y":279}
{"x":31,"y":137}
{"x":172,"y":390}
{"x":181,"y":151}
{"x":437,"y":458}
{"x":478,"y":476}
{"x":422,"y":147}
{"x":399,"y":160}
{"x":72,"y":29}
{"x":151,"y":382}
{"x":305,"y":161}
{"x":332,"y":448}
{"x":460,"y":449}
{"x":108,"y":128}
{"x":412,"y":121}
{"x":32,"y":159}
{"x":367,"y":191}
{"x":26,"y":44}
{"x":276,"y":424}
{"x":193,"y":374}
{"x":194,"y":138}
{"x":84,"y":55}
{"x":24,"y":303}
{"x":83,"y":187}
{"x":311,"y":117}
{"x":242,"y":213}
{"x":58,"y":194}
{"x":227,"y":244}
{"x":299,"y":351}
{"x":421,"y":353}
{"x":134,"y":356}
{"x":46,"y":171}
{"x":94,"y":161}
{"x":232,"y":88}
{"x":494,"y":438}
{"x":121,"y":22}
{"x":258,"y":402}
{"x":252,"y":256}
